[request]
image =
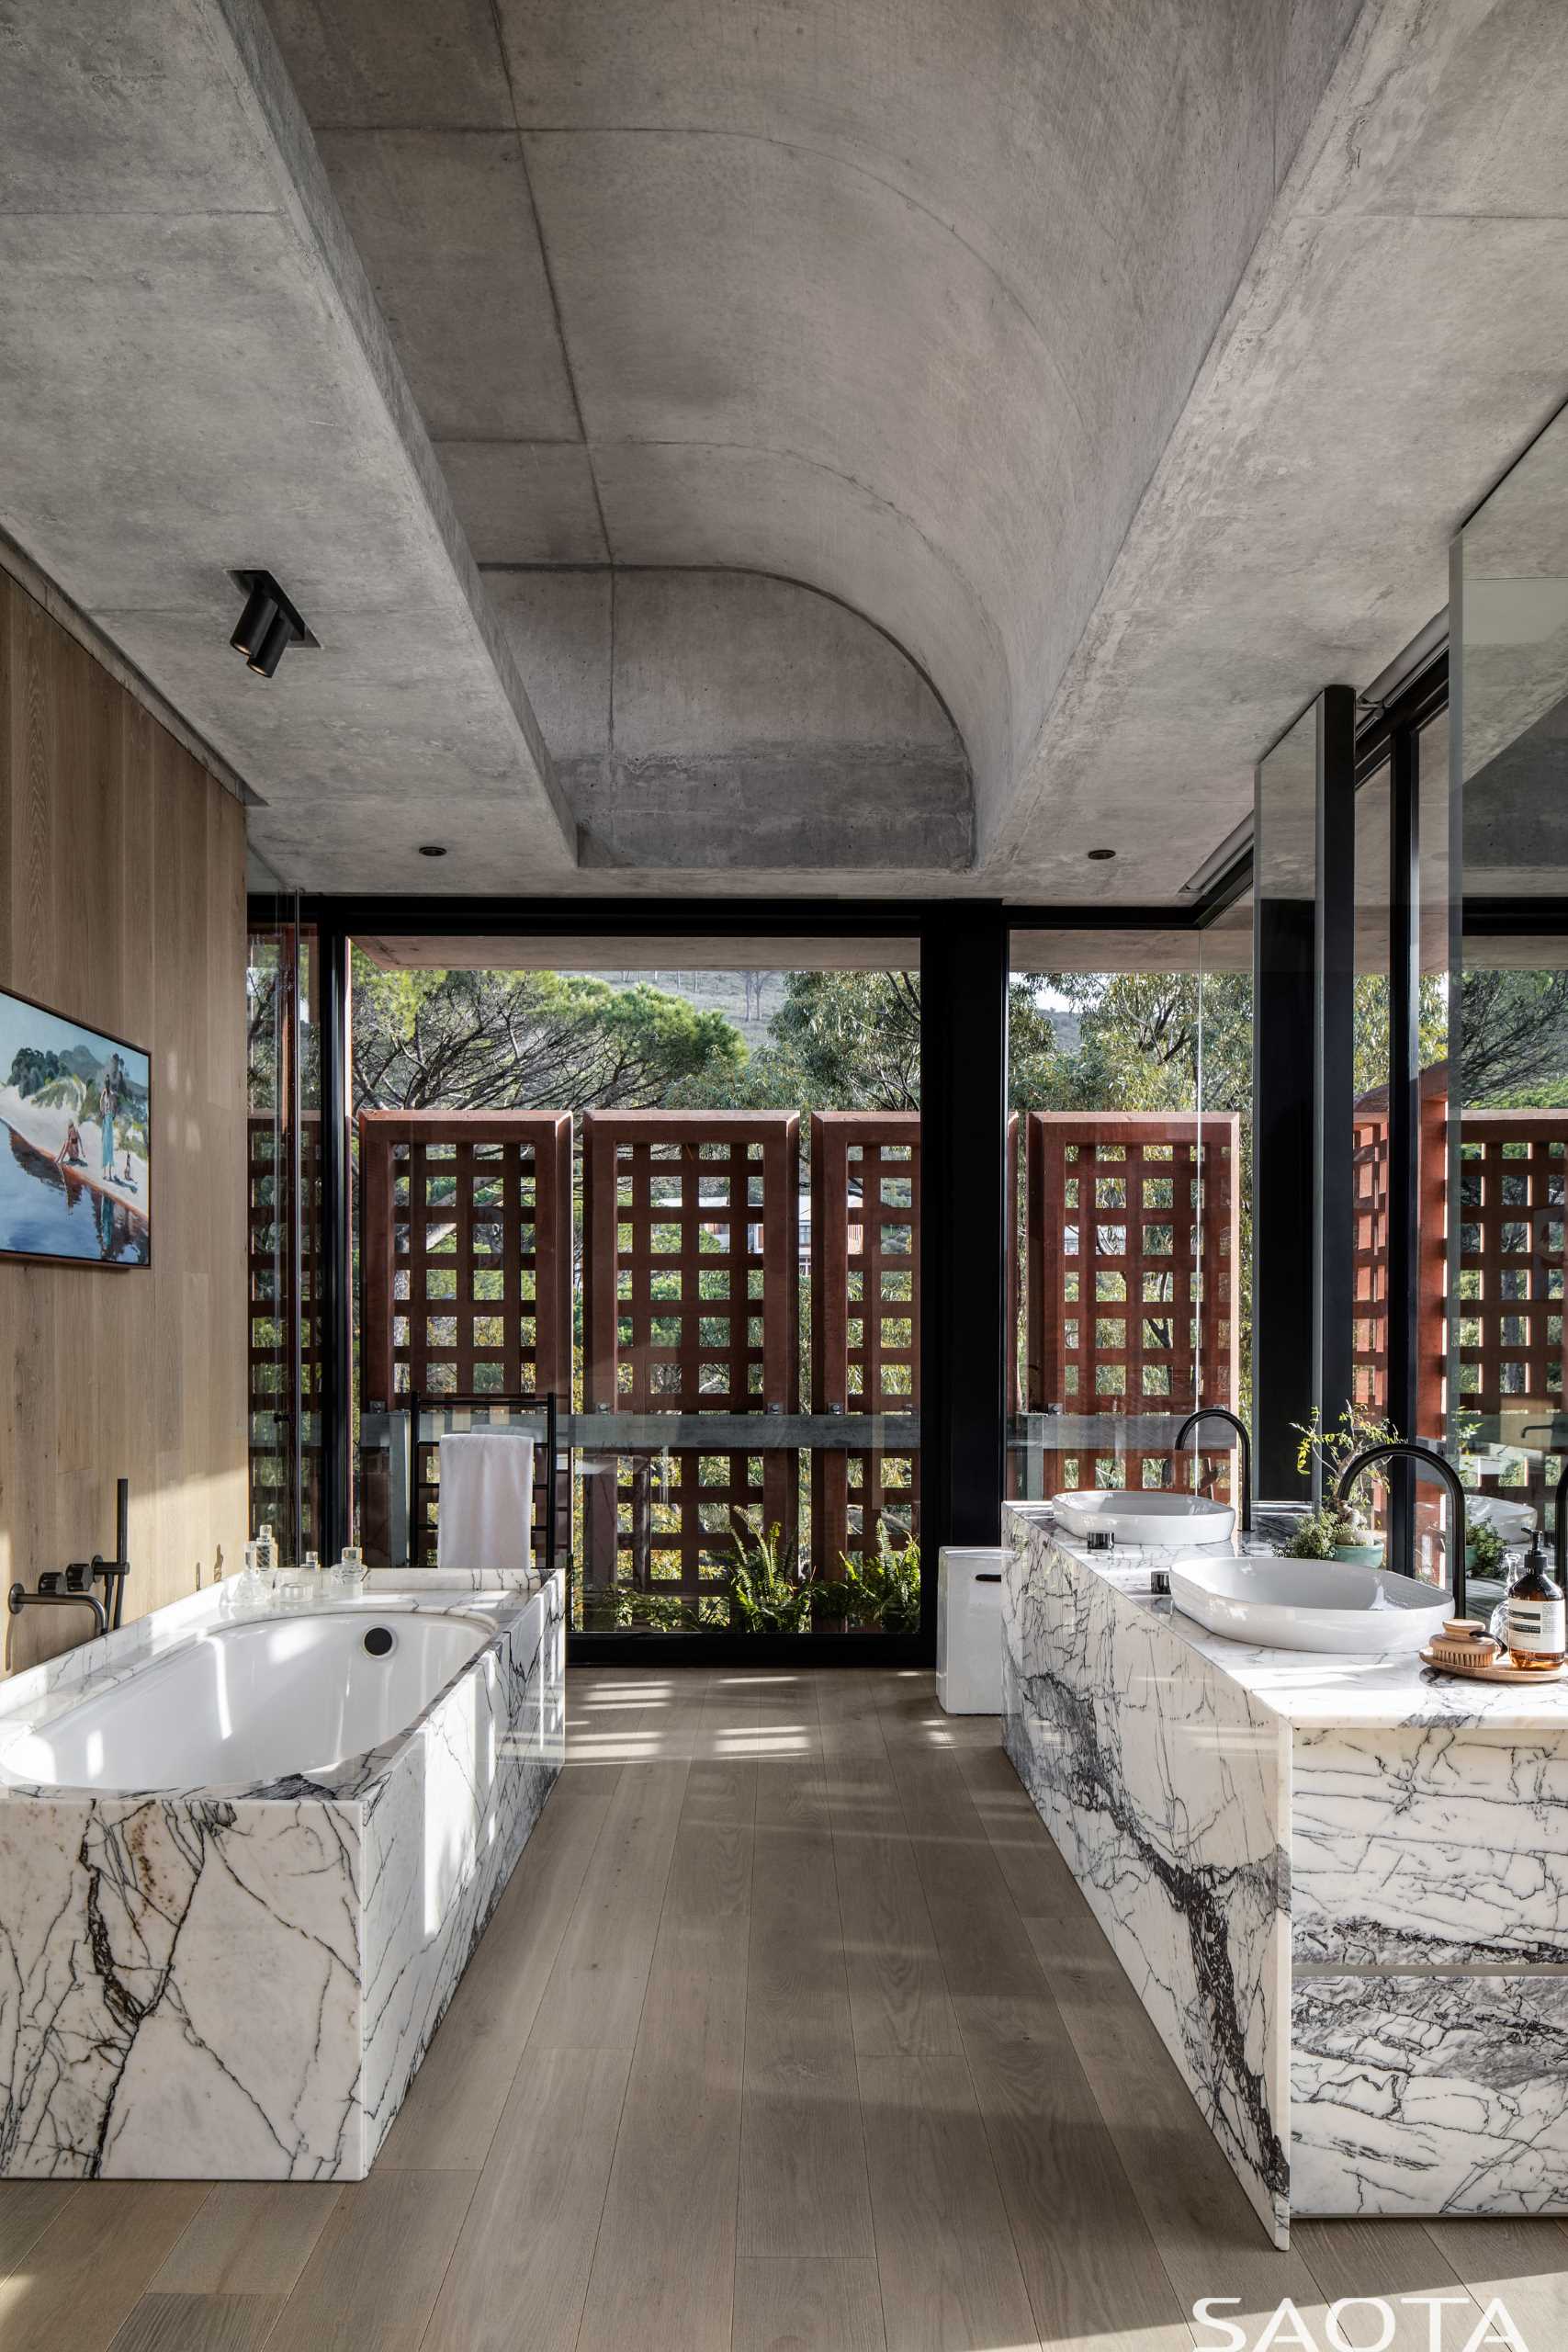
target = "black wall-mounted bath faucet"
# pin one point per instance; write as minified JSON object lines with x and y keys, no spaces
{"x":83,"y":1574}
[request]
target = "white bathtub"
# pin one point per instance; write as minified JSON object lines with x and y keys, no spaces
{"x":243,"y":1865}
{"x":263,"y":1700}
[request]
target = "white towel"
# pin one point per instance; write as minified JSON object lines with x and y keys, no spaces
{"x":485,"y":1515}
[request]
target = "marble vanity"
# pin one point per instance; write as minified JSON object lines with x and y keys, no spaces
{"x":1339,"y":1885}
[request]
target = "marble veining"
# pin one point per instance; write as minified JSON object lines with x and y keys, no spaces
{"x":1420,"y":1848}
{"x":241,"y":1984}
{"x":1422,"y":2095}
{"x":1164,"y":1792}
{"x":1398,"y":2043}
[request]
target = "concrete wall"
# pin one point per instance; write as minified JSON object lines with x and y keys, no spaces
{"x":123,"y":904}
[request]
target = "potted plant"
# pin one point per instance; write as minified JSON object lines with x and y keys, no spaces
{"x":1323,"y":1534}
{"x":1485,"y":1552}
{"x":1343,"y":1524}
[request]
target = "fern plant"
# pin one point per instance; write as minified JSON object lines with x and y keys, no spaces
{"x":766,"y":1587}
{"x":882,"y":1587}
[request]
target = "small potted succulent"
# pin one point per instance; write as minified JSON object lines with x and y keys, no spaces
{"x":1338,"y":1530}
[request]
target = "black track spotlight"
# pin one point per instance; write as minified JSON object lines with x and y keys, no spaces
{"x":269,"y":624}
{"x":261,"y":611}
{"x":265,"y":658}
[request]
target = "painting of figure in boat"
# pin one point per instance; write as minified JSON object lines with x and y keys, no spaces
{"x":75,"y":1141}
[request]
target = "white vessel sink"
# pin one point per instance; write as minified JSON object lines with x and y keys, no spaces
{"x":1148,"y":1517}
{"x":1310,"y":1604}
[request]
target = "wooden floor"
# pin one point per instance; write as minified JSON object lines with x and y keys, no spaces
{"x":791,"y":2030}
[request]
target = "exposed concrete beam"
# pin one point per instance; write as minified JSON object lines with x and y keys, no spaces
{"x":198,"y":379}
{"x":629,"y":952}
{"x":43,"y":591}
{"x":1396,"y":339}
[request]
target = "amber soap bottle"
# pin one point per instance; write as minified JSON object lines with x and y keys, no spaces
{"x":1536,"y":1622}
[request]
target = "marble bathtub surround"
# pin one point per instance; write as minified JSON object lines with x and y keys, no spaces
{"x":1339,"y":1885}
{"x":240,"y":1984}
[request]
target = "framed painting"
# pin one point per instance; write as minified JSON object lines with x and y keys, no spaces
{"x":75,"y":1141}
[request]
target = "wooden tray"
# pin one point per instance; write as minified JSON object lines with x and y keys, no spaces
{"x":1495,"y":1673}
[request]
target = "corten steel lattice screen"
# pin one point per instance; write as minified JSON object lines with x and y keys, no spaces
{"x":280,"y":1322}
{"x":467,"y":1261}
{"x":1133,"y":1272}
{"x":1369,"y":1195}
{"x":1512,"y":1265}
{"x":691,"y":1275}
{"x":1369,"y":1343}
{"x":865,"y":1321}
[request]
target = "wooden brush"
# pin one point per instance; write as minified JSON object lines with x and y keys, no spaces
{"x":1463,"y":1644}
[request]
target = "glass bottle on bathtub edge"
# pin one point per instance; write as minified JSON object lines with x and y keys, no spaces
{"x":299,"y":1587}
{"x":347,"y":1578}
{"x":251,"y":1589}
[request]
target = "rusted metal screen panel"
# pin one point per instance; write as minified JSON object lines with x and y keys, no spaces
{"x":282,"y":1320}
{"x":1133,"y":1275}
{"x":272,"y":1324}
{"x":466,"y":1262}
{"x":865,"y":1321}
{"x":1512,"y":1267}
{"x":691,"y":1280}
{"x":466,"y":1248}
{"x":1484,"y":1276}
{"x":1369,"y":1343}
{"x":1432,"y":1308}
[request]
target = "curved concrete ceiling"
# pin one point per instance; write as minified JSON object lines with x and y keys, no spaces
{"x":690,"y":710}
{"x":901,"y":301}
{"x":980,"y":425}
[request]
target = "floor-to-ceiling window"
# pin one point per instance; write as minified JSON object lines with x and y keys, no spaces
{"x":676,"y":1188}
{"x":272,"y":1272}
{"x":282,"y":1223}
{"x":1509,"y":1127}
{"x":1129,"y":1086}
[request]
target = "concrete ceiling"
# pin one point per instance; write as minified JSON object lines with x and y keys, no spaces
{"x":885,"y":448}
{"x":196,"y":377}
{"x":898,"y":302}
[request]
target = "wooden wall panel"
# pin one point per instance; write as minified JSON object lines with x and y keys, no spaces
{"x":123,"y":904}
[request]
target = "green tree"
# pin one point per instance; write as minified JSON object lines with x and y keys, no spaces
{"x":499,"y":1040}
{"x":851,"y":1041}
{"x":1513,"y":1028}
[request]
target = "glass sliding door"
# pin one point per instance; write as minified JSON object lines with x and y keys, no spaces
{"x":671,"y":1195}
{"x":1225,"y":1080}
{"x":1507,"y":1257}
{"x":1125,"y":1277}
{"x":273,"y":1209}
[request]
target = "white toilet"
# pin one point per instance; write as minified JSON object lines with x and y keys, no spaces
{"x":969,"y":1629}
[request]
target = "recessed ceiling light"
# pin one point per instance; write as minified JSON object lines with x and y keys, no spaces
{"x":1103,"y":853}
{"x":431,"y":849}
{"x":269,"y":624}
